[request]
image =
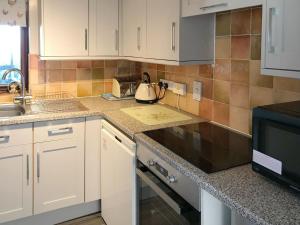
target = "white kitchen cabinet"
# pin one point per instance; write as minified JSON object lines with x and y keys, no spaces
{"x":58,"y":165}
{"x":163,"y":29}
{"x":200,"y":7}
{"x":280,"y":40}
{"x":118,"y":178}
{"x":171,"y":38}
{"x":103,"y":27}
{"x":64,"y":28}
{"x":92,"y":159}
{"x":134,"y":26}
{"x":16,"y":182}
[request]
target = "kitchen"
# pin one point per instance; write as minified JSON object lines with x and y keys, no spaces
{"x":76,"y":147}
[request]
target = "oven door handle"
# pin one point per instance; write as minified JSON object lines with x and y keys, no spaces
{"x":172,"y":203}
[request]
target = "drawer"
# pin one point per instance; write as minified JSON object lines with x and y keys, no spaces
{"x":59,"y":129}
{"x":15,"y":135}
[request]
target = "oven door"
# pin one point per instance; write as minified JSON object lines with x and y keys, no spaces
{"x":158,"y":204}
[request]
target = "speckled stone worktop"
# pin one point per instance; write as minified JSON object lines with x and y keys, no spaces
{"x":249,"y":194}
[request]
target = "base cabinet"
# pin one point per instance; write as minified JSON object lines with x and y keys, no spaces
{"x":59,"y":174}
{"x":15,"y":182}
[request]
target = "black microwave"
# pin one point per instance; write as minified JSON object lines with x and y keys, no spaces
{"x":276,"y":142}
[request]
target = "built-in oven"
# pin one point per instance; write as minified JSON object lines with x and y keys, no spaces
{"x":164,"y":196}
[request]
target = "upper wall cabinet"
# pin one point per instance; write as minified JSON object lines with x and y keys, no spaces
{"x":89,"y":29}
{"x":281,"y":35}
{"x":156,"y":32}
{"x":64,"y":28}
{"x":104,"y":28}
{"x":134,"y":22}
{"x":199,"y":7}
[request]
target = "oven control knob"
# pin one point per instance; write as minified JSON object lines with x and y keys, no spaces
{"x":151,"y":162}
{"x":172,"y":179}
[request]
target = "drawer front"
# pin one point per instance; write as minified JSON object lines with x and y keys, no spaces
{"x":58,"y":129}
{"x":15,"y":135}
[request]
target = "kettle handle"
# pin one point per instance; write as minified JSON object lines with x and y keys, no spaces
{"x":146,"y":78}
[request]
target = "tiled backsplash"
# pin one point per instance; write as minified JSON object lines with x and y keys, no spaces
{"x":234,"y":86}
{"x":78,"y":78}
{"x":231,"y":88}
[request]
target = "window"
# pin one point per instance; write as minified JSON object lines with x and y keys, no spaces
{"x":13,"y":54}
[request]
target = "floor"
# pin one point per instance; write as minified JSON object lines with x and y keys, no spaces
{"x":89,"y":220}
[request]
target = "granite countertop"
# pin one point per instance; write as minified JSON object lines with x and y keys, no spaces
{"x":248,"y":193}
{"x":251,"y":195}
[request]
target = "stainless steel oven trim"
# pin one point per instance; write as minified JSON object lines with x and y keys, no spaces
{"x":172,"y":203}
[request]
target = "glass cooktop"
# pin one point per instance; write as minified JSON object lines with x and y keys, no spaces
{"x":209,"y":147}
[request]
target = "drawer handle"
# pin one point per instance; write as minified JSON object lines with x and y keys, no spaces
{"x":38,"y":161}
{"x":214,"y":6}
{"x":27,"y":169}
{"x":4,"y":139}
{"x":61,"y":131}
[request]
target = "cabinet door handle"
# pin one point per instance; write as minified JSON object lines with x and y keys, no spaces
{"x":139,"y":38}
{"x":117,"y":39}
{"x":27,"y":169}
{"x":4,"y":139}
{"x":38,"y":169}
{"x":173,"y":47}
{"x":271,"y":47}
{"x":214,"y":6}
{"x":61,"y":131}
{"x":86,"y":39}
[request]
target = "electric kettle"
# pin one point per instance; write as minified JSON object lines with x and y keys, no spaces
{"x":146,"y":91}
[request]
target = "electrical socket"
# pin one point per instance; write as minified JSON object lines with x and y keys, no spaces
{"x":197,"y":90}
{"x":170,"y":84}
{"x":179,"y":89}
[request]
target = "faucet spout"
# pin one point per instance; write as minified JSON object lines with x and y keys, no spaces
{"x":22,"y":81}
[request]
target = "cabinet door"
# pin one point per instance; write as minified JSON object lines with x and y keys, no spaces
{"x":16,"y":182}
{"x":163,"y":29}
{"x":134,"y":27}
{"x":198,"y":7}
{"x":59,"y":174}
{"x":104,"y":28}
{"x":64,"y":28}
{"x":92,"y":159}
{"x":281,"y":35}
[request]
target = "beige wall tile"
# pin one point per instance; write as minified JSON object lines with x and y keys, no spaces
{"x":69,"y":64}
{"x":222,"y":69}
{"x":256,"y":20}
{"x":223,"y":50}
{"x":221,"y":113}
{"x":84,"y":74}
{"x":240,"y":71}
{"x":70,"y":88}
{"x":239,"y":119}
{"x":98,"y":88}
{"x":240,"y":22}
{"x":240,"y":47}
{"x":53,"y":88}
{"x":260,"y":96}
{"x":69,"y":75}
{"x":98,"y":64}
{"x":288,"y":84}
{"x":256,"y":79}
{"x":84,"y":88}
{"x":52,"y":65}
{"x":221,"y":91}
{"x":285,"y":96}
{"x":53,"y":76}
{"x":84,"y":64}
{"x":206,"y":108}
{"x":207,"y":87}
{"x":239,"y":95}
{"x":205,"y":71}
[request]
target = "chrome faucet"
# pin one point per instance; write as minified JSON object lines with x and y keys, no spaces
{"x":23,"y":97}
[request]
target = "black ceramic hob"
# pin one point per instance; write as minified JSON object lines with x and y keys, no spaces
{"x":209,"y":147}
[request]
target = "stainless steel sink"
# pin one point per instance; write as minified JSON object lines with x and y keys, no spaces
{"x":10,"y":110}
